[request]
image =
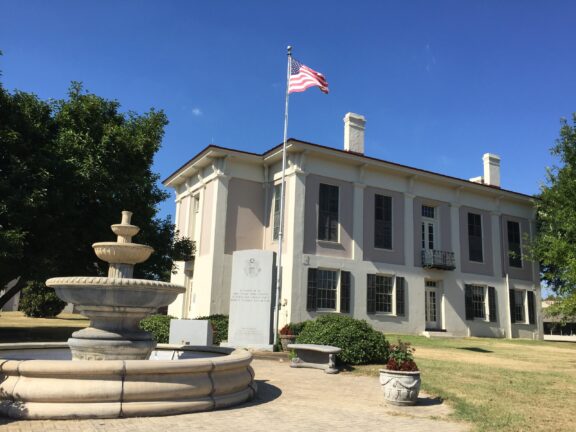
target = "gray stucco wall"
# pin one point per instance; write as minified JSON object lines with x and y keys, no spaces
{"x":245,"y":215}
{"x":396,"y":254}
{"x":342,"y":248}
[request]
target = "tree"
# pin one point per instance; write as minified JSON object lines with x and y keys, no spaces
{"x":67,"y":170}
{"x":555,"y":244}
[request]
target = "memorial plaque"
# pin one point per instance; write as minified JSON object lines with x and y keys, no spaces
{"x":190,"y":332}
{"x":251,"y":299}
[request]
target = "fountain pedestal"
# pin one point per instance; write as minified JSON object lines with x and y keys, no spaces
{"x":115,"y":304}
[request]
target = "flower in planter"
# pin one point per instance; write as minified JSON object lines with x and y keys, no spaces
{"x":401,"y":357}
{"x":286,"y":330}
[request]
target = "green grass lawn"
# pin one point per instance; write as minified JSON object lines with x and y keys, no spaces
{"x":15,"y":327}
{"x":497,"y":384}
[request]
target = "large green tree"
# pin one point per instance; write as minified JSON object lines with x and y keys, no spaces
{"x":555,"y":245}
{"x":67,"y":169}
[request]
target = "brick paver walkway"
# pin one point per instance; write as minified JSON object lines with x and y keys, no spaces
{"x":288,"y":400}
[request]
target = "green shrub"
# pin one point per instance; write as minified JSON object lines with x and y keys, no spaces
{"x":219,"y":326}
{"x":297,"y":327}
{"x":159,"y":326}
{"x":39,"y":301}
{"x":360,"y":343}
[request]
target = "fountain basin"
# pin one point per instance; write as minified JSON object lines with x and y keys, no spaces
{"x":196,"y":379}
{"x":106,"y":291}
{"x":122,"y":253}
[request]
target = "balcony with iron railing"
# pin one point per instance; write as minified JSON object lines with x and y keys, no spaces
{"x":438,"y":259}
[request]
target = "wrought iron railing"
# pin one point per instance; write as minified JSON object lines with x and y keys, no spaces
{"x":438,"y":259}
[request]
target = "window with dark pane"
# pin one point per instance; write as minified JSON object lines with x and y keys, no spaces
{"x":514,"y":249}
{"x":383,"y":291}
{"x":479,"y":301}
{"x":475,"y":237}
{"x":326,"y":289}
{"x":519,"y":306}
{"x":277,"y":197}
{"x":428,"y":211}
{"x":328,"y":213}
{"x":382,"y":222}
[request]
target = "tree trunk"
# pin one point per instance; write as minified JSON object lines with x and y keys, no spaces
{"x":12,"y":291}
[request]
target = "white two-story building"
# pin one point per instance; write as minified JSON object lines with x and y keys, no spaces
{"x":408,"y":250}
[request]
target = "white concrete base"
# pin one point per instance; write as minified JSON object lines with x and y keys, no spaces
{"x":60,"y":389}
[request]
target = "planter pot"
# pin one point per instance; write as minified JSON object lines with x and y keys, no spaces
{"x":399,"y":387}
{"x":285,"y":340}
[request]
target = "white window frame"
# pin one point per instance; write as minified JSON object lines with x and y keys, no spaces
{"x":337,"y":299}
{"x":486,"y":302}
{"x":393,"y":305}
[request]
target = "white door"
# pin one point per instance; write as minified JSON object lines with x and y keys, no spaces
{"x":429,"y":235}
{"x":431,"y":305}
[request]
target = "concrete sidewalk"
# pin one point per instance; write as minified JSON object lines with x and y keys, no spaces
{"x":288,"y":400}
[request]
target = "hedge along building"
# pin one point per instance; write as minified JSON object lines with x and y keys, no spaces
{"x":409,"y":250}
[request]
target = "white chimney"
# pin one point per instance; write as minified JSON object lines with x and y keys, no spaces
{"x":354,"y":125}
{"x":491,"y":169}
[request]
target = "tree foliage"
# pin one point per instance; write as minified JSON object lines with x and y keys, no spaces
{"x":555,"y":245}
{"x":67,"y":170}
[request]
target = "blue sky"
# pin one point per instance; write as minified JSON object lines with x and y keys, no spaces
{"x":440,"y":82}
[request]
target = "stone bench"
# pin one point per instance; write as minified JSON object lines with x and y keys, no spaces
{"x":315,"y":356}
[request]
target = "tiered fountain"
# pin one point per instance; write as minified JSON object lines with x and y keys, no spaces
{"x":110,"y":375}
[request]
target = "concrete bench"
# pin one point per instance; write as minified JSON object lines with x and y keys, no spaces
{"x":315,"y":356}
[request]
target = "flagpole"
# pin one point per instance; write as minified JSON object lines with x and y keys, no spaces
{"x":281,"y":222}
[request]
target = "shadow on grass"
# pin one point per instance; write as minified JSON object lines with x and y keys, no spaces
{"x":476,"y":349}
{"x":429,"y":401}
{"x":36,"y":334}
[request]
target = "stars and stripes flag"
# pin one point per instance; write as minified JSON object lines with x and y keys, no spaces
{"x":303,"y":77}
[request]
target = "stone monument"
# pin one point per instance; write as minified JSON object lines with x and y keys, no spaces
{"x":252,"y":300}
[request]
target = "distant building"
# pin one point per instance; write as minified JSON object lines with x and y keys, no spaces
{"x":410,"y":251}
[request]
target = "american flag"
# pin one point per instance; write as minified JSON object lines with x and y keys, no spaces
{"x":302,"y":77}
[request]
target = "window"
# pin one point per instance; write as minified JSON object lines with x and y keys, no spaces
{"x":277,"y":197}
{"x":385,"y":296}
{"x":480,"y":303}
{"x":196,"y":203}
{"x":475,"y":237}
{"x":514,"y":250}
{"x":519,"y":299}
{"x":428,"y":211}
{"x":428,"y":227}
{"x":325,"y":293}
{"x":328,"y":213}
{"x":382,"y":222}
{"x":519,"y":306}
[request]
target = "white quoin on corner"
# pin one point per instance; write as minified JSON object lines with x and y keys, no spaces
{"x":354,"y":125}
{"x":491,"y":169}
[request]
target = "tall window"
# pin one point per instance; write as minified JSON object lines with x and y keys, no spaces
{"x":383,"y":286}
{"x":277,"y":197}
{"x":475,"y":237}
{"x":519,"y":306}
{"x":196,"y":203}
{"x":326,"y":289}
{"x":478,"y":302}
{"x":514,"y":250}
{"x":328,"y":213}
{"x":382,"y":222}
{"x":428,"y":227}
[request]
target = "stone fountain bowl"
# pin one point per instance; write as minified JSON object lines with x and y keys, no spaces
{"x":120,"y":292}
{"x":38,"y":381}
{"x":122,"y":253}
